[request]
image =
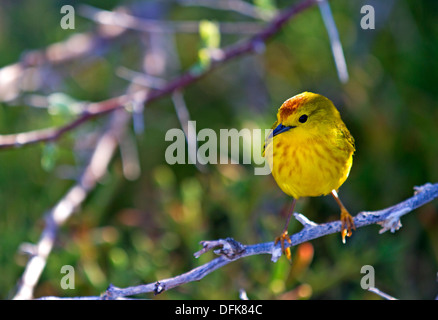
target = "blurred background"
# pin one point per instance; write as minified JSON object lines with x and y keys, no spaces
{"x":142,"y":226}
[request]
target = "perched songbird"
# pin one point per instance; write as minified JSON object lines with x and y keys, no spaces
{"x":310,"y":153}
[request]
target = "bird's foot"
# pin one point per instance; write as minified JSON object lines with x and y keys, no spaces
{"x":284,"y":237}
{"x":347,"y":224}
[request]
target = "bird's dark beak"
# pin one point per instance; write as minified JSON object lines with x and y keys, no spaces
{"x":280,"y":129}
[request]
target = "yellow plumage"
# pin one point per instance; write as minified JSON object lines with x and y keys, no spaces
{"x":314,"y":157}
{"x":310,"y":151}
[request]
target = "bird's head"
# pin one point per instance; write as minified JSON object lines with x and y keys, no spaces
{"x":306,"y":112}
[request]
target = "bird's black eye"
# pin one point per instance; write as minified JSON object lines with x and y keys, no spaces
{"x":303,"y":118}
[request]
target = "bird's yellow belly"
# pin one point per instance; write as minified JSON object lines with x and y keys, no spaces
{"x":309,"y":170}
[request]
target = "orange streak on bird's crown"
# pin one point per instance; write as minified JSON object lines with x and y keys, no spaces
{"x":291,"y":105}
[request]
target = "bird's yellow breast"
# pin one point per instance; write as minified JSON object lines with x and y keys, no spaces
{"x":304,"y":166}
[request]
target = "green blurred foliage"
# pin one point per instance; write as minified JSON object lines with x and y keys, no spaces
{"x":133,"y":232}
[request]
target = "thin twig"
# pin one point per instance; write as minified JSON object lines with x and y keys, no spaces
{"x":231,"y":250}
{"x":141,"y":79}
{"x":335,"y":42}
{"x":187,"y":126}
{"x":44,"y":135}
{"x":381,"y":293}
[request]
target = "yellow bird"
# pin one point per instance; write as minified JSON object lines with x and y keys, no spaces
{"x":310,"y":153}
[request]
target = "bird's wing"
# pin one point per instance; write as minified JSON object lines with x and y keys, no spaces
{"x":346,"y":135}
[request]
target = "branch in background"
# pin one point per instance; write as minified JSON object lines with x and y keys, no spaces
{"x":141,"y":79}
{"x":187,"y":126}
{"x":27,"y":74}
{"x":129,"y":156}
{"x":335,"y":42}
{"x":127,"y":21}
{"x":105,"y":149}
{"x":231,"y":250}
{"x":44,"y":135}
{"x":254,"y":44}
{"x":116,"y":135}
{"x":70,"y":203}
